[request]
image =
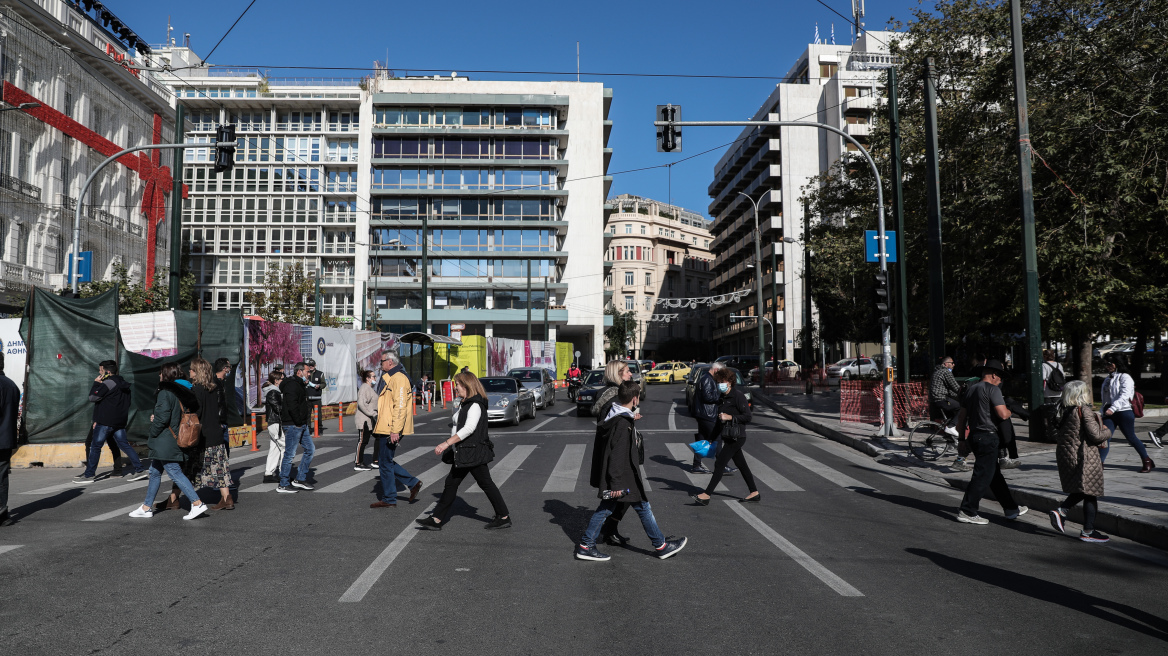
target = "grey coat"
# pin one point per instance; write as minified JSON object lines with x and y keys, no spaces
{"x":366,"y":407}
{"x":1080,"y":434}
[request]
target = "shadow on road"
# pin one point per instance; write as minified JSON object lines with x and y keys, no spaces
{"x":1110,"y":611}
{"x":59,"y":499}
{"x":572,"y":519}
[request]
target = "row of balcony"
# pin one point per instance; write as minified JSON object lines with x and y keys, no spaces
{"x":743,"y":268}
{"x":266,"y":127}
{"x":99,"y":215}
{"x":20,"y":186}
{"x":736,"y":160}
{"x":723,"y":192}
{"x":746,"y":241}
{"x":771,"y":201}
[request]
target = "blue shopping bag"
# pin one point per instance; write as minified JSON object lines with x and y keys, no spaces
{"x":702,"y":448}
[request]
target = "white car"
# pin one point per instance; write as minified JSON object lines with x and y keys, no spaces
{"x":851,"y":368}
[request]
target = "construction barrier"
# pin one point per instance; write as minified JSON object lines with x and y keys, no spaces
{"x":862,"y":402}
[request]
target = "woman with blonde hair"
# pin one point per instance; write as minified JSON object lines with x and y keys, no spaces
{"x":214,"y":470}
{"x":1081,"y":435}
{"x":468,"y":451}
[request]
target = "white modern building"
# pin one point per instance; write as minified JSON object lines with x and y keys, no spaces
{"x":832,"y":84}
{"x":70,"y":99}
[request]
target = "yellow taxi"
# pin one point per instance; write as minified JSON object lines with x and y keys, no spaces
{"x":667,"y":372}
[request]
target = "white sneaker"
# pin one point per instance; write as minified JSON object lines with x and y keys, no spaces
{"x":1009,"y":463}
{"x":951,"y":431}
{"x":142,"y":512}
{"x":1015,"y":514}
{"x":971,"y":519}
{"x":1156,"y":439}
{"x":196,"y":511}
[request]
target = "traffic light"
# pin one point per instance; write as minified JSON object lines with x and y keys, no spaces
{"x":224,"y":148}
{"x":668,"y":136}
{"x":882,"y":305}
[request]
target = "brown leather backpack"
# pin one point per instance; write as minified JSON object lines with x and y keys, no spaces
{"x":189,"y":428}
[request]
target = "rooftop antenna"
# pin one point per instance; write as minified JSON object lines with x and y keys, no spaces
{"x":577,"y":61}
{"x":186,"y":39}
{"x":858,"y":15}
{"x":169,"y":29}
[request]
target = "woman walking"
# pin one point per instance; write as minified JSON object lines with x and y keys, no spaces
{"x":615,"y":373}
{"x":1118,"y":391}
{"x":366,"y":420}
{"x":733,"y":415}
{"x":1080,"y":437}
{"x":173,"y":397}
{"x":215,"y":471}
{"x":472,"y":450}
{"x":273,"y":406}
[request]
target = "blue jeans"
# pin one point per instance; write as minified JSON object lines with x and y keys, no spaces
{"x":100,"y":434}
{"x":606,"y":508}
{"x":174,"y":471}
{"x":1125,"y":419}
{"x":391,"y":472}
{"x":294,"y":435}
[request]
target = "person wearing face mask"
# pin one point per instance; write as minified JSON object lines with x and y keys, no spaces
{"x":615,"y":373}
{"x":1117,"y":393}
{"x":733,"y":409}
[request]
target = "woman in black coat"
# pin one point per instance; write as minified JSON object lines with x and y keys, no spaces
{"x":733,"y":410}
{"x":472,"y":451}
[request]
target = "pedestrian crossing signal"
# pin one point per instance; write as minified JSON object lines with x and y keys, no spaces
{"x":224,"y":148}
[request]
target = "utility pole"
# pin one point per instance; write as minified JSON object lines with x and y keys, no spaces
{"x":808,"y":352}
{"x":546,"y":330}
{"x":901,"y":313}
{"x":175,"y":276}
{"x":1029,"y":249}
{"x":529,"y":300}
{"x":760,"y":311}
{"x":774,"y":301}
{"x":933,"y":189}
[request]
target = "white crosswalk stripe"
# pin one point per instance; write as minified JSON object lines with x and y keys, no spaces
{"x":110,"y":515}
{"x":839,"y":478}
{"x":5,"y":548}
{"x":567,"y":470}
{"x":541,"y":425}
{"x":317,"y":469}
{"x":684,"y":456}
{"x":346,"y":484}
{"x":871,"y":465}
{"x":507,"y":466}
{"x":141,"y":485}
{"x":771,"y":478}
{"x":645,"y":479}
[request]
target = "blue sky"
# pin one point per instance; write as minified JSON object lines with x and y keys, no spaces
{"x":723,"y":38}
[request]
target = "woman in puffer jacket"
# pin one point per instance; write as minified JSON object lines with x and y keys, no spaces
{"x":1081,"y":434}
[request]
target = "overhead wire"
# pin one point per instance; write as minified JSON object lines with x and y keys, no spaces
{"x":245,"y":10}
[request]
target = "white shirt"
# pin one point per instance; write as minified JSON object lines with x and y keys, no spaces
{"x":1118,"y":391}
{"x":473,"y":414}
{"x":1047,"y":369}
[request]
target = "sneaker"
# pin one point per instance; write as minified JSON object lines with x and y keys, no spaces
{"x":949,"y":430}
{"x":615,"y":540}
{"x":287,"y":489}
{"x":139,"y":475}
{"x":1095,"y":536}
{"x":971,"y":519}
{"x":1009,"y":463}
{"x":504,"y":522}
{"x":589,"y":553}
{"x":729,"y":470}
{"x":1057,"y":520}
{"x":961,"y":465}
{"x":1156,"y":439}
{"x":303,"y":485}
{"x":362,"y":468}
{"x":83,"y":480}
{"x":271,"y":478}
{"x":429,"y":524}
{"x":145,"y":513}
{"x":1016,"y":513}
{"x":700,"y":469}
{"x":196,"y":511}
{"x":671,"y":547}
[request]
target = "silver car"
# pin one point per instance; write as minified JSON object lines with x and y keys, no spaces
{"x":507,"y":400}
{"x":539,"y":381}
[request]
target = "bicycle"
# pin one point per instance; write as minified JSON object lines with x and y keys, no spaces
{"x":928,"y":439}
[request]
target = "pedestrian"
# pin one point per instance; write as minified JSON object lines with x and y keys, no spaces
{"x":618,"y":480}
{"x":366,"y":419}
{"x":395,"y":420}
{"x":1118,"y":391}
{"x":1081,"y":435}
{"x":115,"y":454}
{"x":615,"y":373}
{"x":424,"y":389}
{"x":470,"y":450}
{"x":1054,"y":379}
{"x":1157,"y":436}
{"x":983,"y":408}
{"x":734,"y":410}
{"x":215,"y":471}
{"x":294,"y":422}
{"x":315,"y":382}
{"x":222,"y":367}
{"x":9,"y":411}
{"x":174,"y":398}
{"x":944,"y":393}
{"x":110,"y":395}
{"x":273,"y":407}
{"x":706,"y":400}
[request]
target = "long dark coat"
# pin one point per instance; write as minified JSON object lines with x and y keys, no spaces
{"x":620,"y":467}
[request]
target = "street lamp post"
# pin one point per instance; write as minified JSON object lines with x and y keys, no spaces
{"x":21,"y":106}
{"x":758,"y":293}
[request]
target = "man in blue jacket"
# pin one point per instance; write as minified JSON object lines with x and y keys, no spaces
{"x":110,"y":396}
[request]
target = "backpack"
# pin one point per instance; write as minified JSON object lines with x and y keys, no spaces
{"x":1056,"y":380}
{"x":1137,"y":404}
{"x":189,"y":428}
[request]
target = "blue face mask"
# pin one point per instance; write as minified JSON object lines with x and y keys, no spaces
{"x":723,"y":387}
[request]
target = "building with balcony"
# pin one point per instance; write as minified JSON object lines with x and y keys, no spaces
{"x":71,"y":99}
{"x":657,"y":251}
{"x":482,"y":204}
{"x":836,"y":85}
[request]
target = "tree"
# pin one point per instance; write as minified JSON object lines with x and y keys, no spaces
{"x":270,"y":342}
{"x":135,"y":298}
{"x":289,"y":296}
{"x":619,"y":334}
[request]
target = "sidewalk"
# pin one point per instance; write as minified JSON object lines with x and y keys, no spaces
{"x":1135,"y":505}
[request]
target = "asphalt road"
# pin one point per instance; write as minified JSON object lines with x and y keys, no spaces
{"x":842,"y":556}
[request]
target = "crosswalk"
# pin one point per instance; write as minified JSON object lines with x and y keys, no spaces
{"x":559,"y":469}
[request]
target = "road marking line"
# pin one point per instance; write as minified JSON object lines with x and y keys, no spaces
{"x":346,"y":484}
{"x":433,"y":475}
{"x":773,"y":479}
{"x":842,"y":480}
{"x":5,"y":548}
{"x":505,"y":467}
{"x":142,"y":484}
{"x":877,"y":468}
{"x":822,"y":573}
{"x":684,"y":456}
{"x":567,"y":470}
{"x":673,"y":416}
{"x":110,"y":515}
{"x":316,"y":469}
{"x":645,"y":479}
{"x":369,"y":577}
{"x":566,"y":412}
{"x":55,"y":488}
{"x":541,"y":425}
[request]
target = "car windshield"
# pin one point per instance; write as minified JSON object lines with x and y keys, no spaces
{"x":634,"y":367}
{"x":500,"y":385}
{"x":845,"y":362}
{"x":528,"y":375}
{"x":664,"y":366}
{"x":594,"y":378}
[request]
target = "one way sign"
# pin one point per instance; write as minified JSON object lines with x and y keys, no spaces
{"x":871,"y":248}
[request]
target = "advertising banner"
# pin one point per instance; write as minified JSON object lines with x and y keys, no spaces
{"x":14,"y":352}
{"x":153,"y":334}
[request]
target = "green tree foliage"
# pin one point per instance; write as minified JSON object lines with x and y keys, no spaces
{"x":620,"y":334}
{"x":1096,"y":99}
{"x":135,"y":298}
{"x":289,"y":295}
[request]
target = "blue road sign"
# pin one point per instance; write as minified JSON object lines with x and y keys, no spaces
{"x":84,"y":267}
{"x":872,"y":253}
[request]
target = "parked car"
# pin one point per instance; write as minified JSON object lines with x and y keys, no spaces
{"x":593,"y":383}
{"x":739,"y":362}
{"x":692,"y":381}
{"x":635,"y":369}
{"x":788,"y":368}
{"x":507,"y":400}
{"x":539,"y":381}
{"x":647,"y":365}
{"x":667,"y":372}
{"x":851,"y":368}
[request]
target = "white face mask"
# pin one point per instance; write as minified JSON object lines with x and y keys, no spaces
{"x":723,"y":387}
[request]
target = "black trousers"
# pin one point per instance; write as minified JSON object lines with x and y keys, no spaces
{"x":482,"y":476}
{"x":364,"y":435}
{"x":731,"y":451}
{"x":1162,"y":431}
{"x":950,"y":406}
{"x":987,"y":475}
{"x":1090,"y":507}
{"x":5,"y":469}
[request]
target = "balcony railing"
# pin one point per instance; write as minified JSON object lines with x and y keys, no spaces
{"x":340,"y":217}
{"x":342,"y":158}
{"x":20,"y":186}
{"x":341,"y":187}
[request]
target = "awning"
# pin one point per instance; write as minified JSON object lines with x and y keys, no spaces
{"x":427,"y":338}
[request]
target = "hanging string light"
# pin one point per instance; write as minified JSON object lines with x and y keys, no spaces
{"x":708,"y":301}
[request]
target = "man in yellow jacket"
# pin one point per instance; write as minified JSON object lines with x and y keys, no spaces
{"x":395,"y":419}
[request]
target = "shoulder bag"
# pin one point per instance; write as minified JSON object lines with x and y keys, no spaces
{"x":732,"y":431}
{"x":189,"y":428}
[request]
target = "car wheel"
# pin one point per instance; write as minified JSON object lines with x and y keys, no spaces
{"x":518,"y":416}
{"x":847,"y":375}
{"x":552,"y":398}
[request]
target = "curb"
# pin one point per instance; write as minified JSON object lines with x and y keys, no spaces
{"x":1153,"y":535}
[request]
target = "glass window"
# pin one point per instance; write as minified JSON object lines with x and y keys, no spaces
{"x":648,"y":279}
{"x":630,"y":302}
{"x":628,"y":228}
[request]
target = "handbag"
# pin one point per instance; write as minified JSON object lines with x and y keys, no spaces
{"x":472,"y":455}
{"x":701,"y":448}
{"x":733,"y":431}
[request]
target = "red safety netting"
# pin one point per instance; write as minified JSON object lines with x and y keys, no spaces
{"x":862,"y":401}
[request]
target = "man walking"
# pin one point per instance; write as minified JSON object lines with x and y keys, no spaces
{"x":110,"y":396}
{"x":294,"y":422}
{"x":705,"y":409}
{"x":9,"y":406}
{"x":983,"y":409}
{"x":316,"y":384}
{"x":395,"y":420}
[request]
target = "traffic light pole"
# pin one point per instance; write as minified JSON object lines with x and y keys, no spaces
{"x":175,"y":274}
{"x":901,"y":305}
{"x":888,"y":428}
